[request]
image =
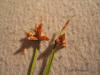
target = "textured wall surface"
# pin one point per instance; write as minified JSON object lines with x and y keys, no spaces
{"x":81,"y":56}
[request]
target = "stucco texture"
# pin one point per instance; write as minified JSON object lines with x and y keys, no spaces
{"x":81,"y":56}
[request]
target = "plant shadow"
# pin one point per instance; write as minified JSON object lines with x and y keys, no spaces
{"x":35,"y":44}
{"x":27,"y":44}
{"x":47,"y":53}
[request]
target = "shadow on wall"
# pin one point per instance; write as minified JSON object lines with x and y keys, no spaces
{"x":27,"y":44}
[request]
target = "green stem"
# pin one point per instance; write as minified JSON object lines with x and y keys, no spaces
{"x":48,"y":66}
{"x":34,"y":61}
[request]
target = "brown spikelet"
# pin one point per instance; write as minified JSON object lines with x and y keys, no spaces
{"x":37,"y":35}
{"x":66,"y":24}
{"x":61,"y":40}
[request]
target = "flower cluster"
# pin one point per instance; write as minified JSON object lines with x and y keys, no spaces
{"x":61,"y":40}
{"x":37,"y":35}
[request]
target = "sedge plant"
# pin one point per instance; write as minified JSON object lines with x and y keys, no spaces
{"x":60,"y":41}
{"x":38,"y":37}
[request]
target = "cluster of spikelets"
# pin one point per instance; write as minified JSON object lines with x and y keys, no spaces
{"x":41,"y":37}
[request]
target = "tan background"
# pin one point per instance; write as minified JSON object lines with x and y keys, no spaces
{"x":82,"y":53}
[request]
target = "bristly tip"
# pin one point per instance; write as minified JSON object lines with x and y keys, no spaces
{"x":66,"y":24}
{"x":40,"y":19}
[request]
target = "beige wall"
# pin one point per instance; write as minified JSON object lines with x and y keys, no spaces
{"x":82,"y":53}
